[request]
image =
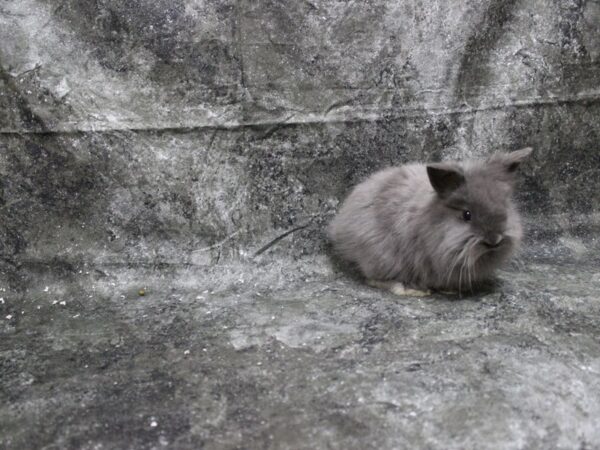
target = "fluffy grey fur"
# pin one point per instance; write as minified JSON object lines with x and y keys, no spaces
{"x":409,"y":224}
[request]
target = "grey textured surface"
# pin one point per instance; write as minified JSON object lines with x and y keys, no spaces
{"x":160,"y":144}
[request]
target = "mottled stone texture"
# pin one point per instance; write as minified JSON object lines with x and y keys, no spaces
{"x":160,"y":144}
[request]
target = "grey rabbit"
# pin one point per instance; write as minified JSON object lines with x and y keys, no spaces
{"x":442,"y":226}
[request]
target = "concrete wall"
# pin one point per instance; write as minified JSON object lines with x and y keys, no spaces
{"x":184,"y":131}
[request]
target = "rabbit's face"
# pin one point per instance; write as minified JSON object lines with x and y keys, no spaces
{"x":482,"y":208}
{"x":481,"y":224}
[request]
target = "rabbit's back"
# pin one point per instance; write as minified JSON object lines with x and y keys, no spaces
{"x":376,"y":226}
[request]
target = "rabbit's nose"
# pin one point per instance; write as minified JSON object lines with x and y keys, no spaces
{"x":493,"y":240}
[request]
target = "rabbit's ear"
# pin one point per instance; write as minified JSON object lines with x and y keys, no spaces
{"x":444,"y":178}
{"x":510,"y":161}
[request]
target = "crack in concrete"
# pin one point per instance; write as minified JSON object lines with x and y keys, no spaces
{"x":411,"y":113}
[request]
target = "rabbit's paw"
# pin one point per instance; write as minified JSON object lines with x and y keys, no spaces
{"x":398,"y":288}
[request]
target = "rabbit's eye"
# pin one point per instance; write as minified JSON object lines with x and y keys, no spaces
{"x":467,"y":215}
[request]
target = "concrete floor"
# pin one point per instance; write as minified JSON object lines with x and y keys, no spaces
{"x":297,"y":355}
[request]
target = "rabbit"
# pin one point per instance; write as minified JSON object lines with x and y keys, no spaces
{"x":444,"y":226}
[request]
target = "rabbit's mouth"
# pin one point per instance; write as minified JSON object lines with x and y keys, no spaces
{"x":498,"y":249}
{"x":493,"y":246}
{"x":493,"y":241}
